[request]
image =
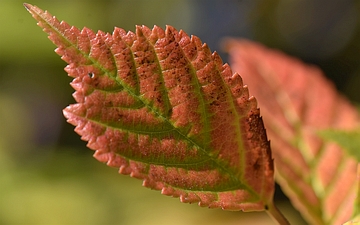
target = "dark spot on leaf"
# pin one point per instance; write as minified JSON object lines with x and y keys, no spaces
{"x":257,"y":165}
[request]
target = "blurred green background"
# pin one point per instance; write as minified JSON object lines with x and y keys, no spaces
{"x":48,"y":176}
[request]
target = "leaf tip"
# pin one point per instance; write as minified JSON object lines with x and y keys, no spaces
{"x":34,"y":10}
{"x":27,"y":6}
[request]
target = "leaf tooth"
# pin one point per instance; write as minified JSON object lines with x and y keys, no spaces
{"x":244,"y":97}
{"x":152,"y":35}
{"x":236,"y":85}
{"x":142,"y":31}
{"x":69,"y":111}
{"x":189,"y":48}
{"x":170,"y":191}
{"x":198,"y":197}
{"x":171,"y":34}
{"x":203,"y":53}
{"x":122,"y":39}
{"x":217,"y":61}
{"x":119,"y":32}
{"x":123,"y":169}
{"x":156,"y":34}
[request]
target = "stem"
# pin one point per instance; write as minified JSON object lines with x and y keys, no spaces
{"x":276,"y":215}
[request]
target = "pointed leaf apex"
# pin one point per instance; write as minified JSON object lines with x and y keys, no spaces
{"x":27,"y":6}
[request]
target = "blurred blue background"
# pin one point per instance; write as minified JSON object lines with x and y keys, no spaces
{"x":47,"y":175}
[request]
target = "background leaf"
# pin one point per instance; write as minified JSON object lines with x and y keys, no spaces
{"x":349,"y":140}
{"x":160,"y":107}
{"x":296,"y":102}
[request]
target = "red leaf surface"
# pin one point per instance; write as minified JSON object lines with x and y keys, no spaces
{"x":296,"y":102}
{"x":161,"y":107}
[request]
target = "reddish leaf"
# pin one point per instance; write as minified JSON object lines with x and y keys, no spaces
{"x":296,"y":102}
{"x":161,"y":107}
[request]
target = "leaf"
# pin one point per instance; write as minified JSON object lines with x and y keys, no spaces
{"x":161,"y":107}
{"x":296,"y":102}
{"x":348,"y":140}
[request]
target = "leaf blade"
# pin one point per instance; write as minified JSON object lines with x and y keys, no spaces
{"x":141,"y":95}
{"x":348,"y":140}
